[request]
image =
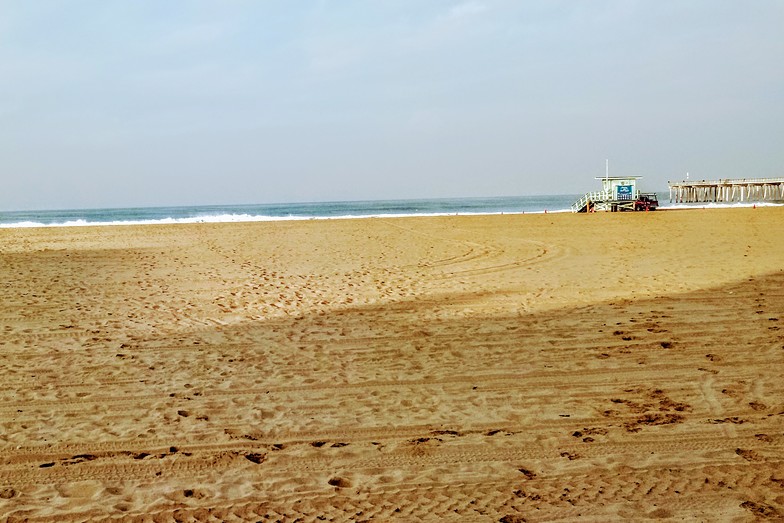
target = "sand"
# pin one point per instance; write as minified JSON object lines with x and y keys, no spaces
{"x":499,"y":368}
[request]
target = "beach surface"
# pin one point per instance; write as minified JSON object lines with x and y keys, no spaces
{"x":465,"y":368}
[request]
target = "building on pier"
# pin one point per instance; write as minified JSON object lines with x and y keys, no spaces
{"x":744,"y":190}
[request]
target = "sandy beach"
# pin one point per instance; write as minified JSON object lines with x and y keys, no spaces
{"x":550,"y":367}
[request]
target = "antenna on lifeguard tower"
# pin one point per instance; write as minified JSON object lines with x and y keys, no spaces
{"x":606,"y":168}
{"x":687,"y":175}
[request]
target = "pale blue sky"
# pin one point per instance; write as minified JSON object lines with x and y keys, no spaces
{"x":141,"y":102}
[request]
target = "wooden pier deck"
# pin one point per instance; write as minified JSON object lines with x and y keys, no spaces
{"x":737,"y":190}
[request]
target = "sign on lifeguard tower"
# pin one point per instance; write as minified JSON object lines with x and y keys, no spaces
{"x":624,"y":192}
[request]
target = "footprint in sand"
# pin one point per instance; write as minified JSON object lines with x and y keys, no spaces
{"x":339,"y":482}
{"x":748,"y":455}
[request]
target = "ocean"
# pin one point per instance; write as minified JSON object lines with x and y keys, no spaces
{"x":303,"y":211}
{"x":286,"y":211}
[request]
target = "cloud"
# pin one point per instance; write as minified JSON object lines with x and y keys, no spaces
{"x":466,"y":9}
{"x":326,"y":54}
{"x":186,"y":37}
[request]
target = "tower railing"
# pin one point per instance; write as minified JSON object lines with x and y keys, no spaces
{"x":595,"y":196}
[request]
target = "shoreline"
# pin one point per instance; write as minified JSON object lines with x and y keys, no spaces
{"x":245,"y":218}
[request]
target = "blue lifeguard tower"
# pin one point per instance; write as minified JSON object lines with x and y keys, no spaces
{"x":619,"y":193}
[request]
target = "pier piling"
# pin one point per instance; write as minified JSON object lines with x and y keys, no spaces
{"x":728,"y":191}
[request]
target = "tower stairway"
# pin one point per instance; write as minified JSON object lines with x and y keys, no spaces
{"x":588,"y":200}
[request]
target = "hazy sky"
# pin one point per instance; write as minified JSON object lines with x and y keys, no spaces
{"x":142,"y":102}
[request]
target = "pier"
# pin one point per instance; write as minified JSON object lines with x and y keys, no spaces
{"x":739,"y":190}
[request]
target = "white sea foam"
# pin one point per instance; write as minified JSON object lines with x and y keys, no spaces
{"x":220,"y":218}
{"x":247,"y":218}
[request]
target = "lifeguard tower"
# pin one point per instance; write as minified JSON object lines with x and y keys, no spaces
{"x":619,"y":193}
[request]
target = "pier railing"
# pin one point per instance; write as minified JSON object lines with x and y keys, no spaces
{"x":733,"y":181}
